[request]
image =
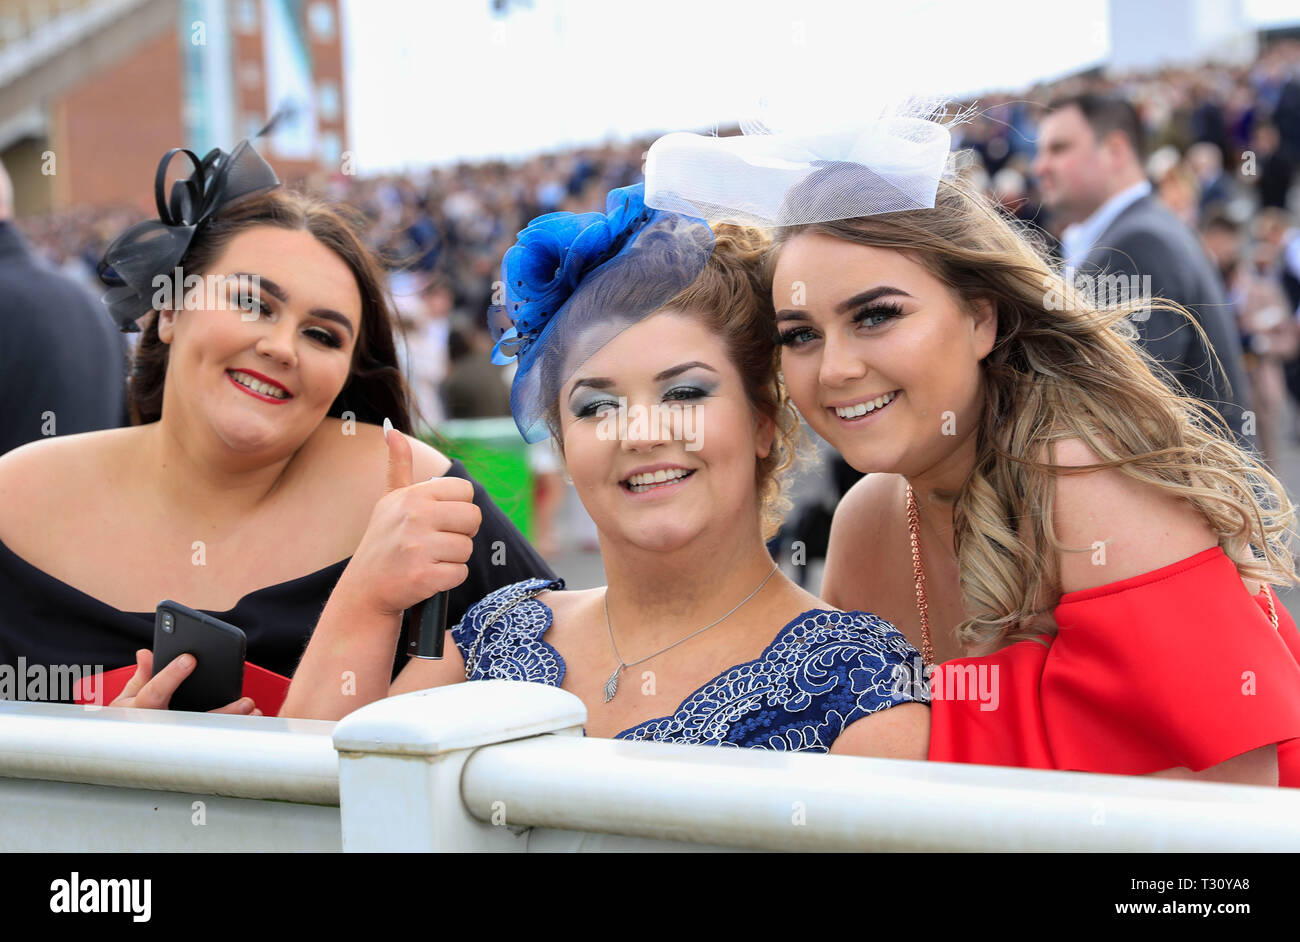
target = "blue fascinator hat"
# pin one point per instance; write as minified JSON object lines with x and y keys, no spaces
{"x":155,"y":247}
{"x":574,"y":281}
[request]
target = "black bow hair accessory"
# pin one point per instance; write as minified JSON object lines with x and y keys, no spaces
{"x":135,"y":259}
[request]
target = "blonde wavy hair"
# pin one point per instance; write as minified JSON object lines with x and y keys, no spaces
{"x":729,"y":297}
{"x":1064,"y":367}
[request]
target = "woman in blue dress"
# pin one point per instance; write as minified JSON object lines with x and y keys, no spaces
{"x":642,"y":349}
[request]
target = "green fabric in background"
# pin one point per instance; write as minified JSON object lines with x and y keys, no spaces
{"x":497,"y":457}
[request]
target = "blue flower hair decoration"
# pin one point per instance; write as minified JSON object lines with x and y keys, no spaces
{"x":573,"y":281}
{"x":552,"y":255}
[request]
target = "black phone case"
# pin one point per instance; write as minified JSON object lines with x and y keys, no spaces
{"x":219,"y":647}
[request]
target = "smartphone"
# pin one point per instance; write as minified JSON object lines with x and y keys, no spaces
{"x":428,"y":621}
{"x":219,"y":648}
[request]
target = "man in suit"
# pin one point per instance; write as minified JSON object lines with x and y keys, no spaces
{"x":1090,"y":172}
{"x":62,"y":362}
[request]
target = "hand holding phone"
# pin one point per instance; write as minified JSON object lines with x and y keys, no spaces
{"x":218,"y":647}
{"x":199,"y":665}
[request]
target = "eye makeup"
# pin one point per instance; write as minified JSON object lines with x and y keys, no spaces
{"x":691,"y":390}
{"x":325,"y":337}
{"x":592,"y":401}
{"x":869,"y":318}
{"x":248,"y":300}
{"x":876,"y":314}
{"x":240,"y":293}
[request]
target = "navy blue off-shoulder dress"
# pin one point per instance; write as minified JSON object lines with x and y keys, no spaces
{"x":822,"y":671}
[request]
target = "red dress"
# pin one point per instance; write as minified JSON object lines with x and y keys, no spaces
{"x":1178,"y":667}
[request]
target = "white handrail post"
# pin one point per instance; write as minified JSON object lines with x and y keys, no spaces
{"x":400,"y":762}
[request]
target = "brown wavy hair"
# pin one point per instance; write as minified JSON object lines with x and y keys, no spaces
{"x":1062,"y":367}
{"x":375,"y":388}
{"x":729,"y":297}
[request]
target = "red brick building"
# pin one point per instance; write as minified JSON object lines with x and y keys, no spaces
{"x":92,"y":92}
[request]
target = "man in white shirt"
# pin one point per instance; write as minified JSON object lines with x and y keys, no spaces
{"x":1078,"y":238}
{"x":1090,"y":174}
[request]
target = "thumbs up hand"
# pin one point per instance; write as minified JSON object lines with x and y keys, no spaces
{"x":418,"y":539}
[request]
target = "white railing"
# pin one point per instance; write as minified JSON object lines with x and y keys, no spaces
{"x":503,"y":766}
{"x":73,"y":778}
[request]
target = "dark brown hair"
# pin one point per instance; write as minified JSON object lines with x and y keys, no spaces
{"x":1104,"y":114}
{"x":375,"y":388}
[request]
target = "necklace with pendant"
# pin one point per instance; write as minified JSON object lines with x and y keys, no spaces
{"x":611,"y":685}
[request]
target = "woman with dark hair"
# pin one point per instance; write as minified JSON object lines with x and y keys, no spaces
{"x":264,"y":369}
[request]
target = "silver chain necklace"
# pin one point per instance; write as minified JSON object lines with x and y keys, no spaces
{"x":611,"y":685}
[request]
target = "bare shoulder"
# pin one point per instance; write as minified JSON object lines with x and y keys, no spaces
{"x":868,"y":492}
{"x":868,"y":507}
{"x":1115,"y":526}
{"x":429,"y":461}
{"x":59,"y":451}
{"x":575,"y":613}
{"x":566,"y":603}
{"x":358,"y":449}
{"x":862,"y":519}
{"x":899,"y":732}
{"x":56,"y":470}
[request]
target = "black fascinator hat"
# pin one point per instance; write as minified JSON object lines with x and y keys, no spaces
{"x":142,"y":253}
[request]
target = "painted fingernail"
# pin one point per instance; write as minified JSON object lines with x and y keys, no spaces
{"x":388,"y":427}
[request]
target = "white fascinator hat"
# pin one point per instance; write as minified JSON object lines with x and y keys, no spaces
{"x":881,"y":160}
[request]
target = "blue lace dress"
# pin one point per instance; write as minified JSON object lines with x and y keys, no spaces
{"x":824,"y":670}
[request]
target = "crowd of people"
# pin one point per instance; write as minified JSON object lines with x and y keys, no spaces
{"x":1222,"y":144}
{"x":1221,"y":148}
{"x":441,"y":232}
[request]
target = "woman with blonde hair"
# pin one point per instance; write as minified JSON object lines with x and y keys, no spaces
{"x":1093,"y":549}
